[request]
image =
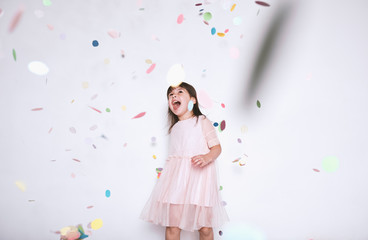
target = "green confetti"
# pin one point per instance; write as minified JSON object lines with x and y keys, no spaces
{"x":108,"y":110}
{"x":14,"y":55}
{"x":258,"y":104}
{"x":330,"y":164}
{"x":47,"y":3}
{"x":207,"y":16}
{"x":220,"y":188}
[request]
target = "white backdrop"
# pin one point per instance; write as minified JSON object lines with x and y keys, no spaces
{"x":305,"y":61}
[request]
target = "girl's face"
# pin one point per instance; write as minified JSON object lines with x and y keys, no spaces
{"x":178,"y":103}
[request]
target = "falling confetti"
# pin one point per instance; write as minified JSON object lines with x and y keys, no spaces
{"x":226,"y":31}
{"x":92,"y":128}
{"x":258,"y":104}
{"x":139,"y":115}
{"x":221,"y":34}
{"x":148,"y":61}
{"x":158,"y":171}
{"x":107,"y":193}
{"x":180,"y":19}
{"x":113,"y":33}
{"x":95,"y":109}
{"x":207,"y":16}
{"x":263,"y":3}
{"x":108,"y":110}
{"x":50,"y":27}
{"x":21,"y":185}
{"x":213,"y":31}
{"x":220,"y":188}
{"x":153,"y":140}
{"x":36,"y":109}
{"x":154,"y":157}
{"x":16,"y":19}
{"x":190,"y":105}
{"x":222,"y":125}
{"x":239,"y":140}
{"x":316,"y":170}
{"x":77,"y":160}
{"x":222,"y":105}
{"x":94,"y":97}
{"x":47,"y":3}
{"x":150,"y":69}
{"x":89,"y":207}
{"x":72,"y":130}
{"x":198,"y":4}
{"x":95,"y":43}
{"x":220,"y":233}
{"x":38,"y":68}
{"x":233,"y":7}
{"x":330,"y":164}
{"x":96,"y":224}
{"x":176,"y":75}
{"x":14,"y":55}
{"x":85,"y":85}
{"x":215,"y":124}
{"x":50,"y":130}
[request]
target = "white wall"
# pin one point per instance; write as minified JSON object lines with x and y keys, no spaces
{"x":311,"y":82}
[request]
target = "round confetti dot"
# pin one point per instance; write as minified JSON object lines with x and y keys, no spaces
{"x":38,"y":68}
{"x":207,"y":16}
{"x":222,"y":105}
{"x":220,"y":233}
{"x":239,"y":140}
{"x":123,"y":107}
{"x":180,"y":19}
{"x":95,"y":43}
{"x":330,"y":164}
{"x":108,"y":110}
{"x":220,"y":188}
{"x":213,"y":31}
{"x":175,"y":75}
{"x":237,"y":21}
{"x":96,"y":224}
{"x":215,"y":124}
{"x":107,"y":193}
{"x":190,"y":105}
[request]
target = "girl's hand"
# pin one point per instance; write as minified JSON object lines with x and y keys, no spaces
{"x":201,"y":160}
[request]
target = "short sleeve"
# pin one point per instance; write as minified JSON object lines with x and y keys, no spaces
{"x":209,"y":132}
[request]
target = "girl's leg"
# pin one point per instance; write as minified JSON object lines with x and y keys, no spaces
{"x":206,"y":233}
{"x":172,"y":233}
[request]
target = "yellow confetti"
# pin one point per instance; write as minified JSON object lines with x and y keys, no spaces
{"x":221,"y":34}
{"x":96,"y":224}
{"x":123,"y":107}
{"x":21,"y":185}
{"x":85,"y":85}
{"x":72,"y":101}
{"x":148,"y":61}
{"x":154,"y":157}
{"x":233,"y":7}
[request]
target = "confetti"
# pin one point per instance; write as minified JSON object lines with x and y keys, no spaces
{"x":107,"y":193}
{"x":176,"y":75}
{"x":154,"y":157}
{"x":95,"y":43}
{"x":72,"y":175}
{"x":205,"y":22}
{"x":222,"y":125}
{"x":220,"y":233}
{"x":158,"y":171}
{"x":1,"y":12}
{"x":14,"y":55}
{"x":36,"y":109}
{"x":150,"y":69}
{"x":262,"y":3}
{"x":180,"y":19}
{"x":148,"y":61}
{"x":239,"y":140}
{"x":16,"y":18}
{"x":89,"y":207}
{"x":244,"y":129}
{"x":95,"y":109}
{"x":222,"y":105}
{"x":258,"y":104}
{"x":122,"y":54}
{"x":237,"y":21}
{"x":220,"y":188}
{"x":316,"y":170}
{"x":221,"y":34}
{"x":77,"y":160}
{"x":190,"y":105}
{"x":92,"y":128}
{"x":207,"y":16}
{"x":232,"y":8}
{"x":215,"y":124}
{"x":50,"y":27}
{"x":84,"y":85}
{"x":113,"y":33}
{"x":38,"y":68}
{"x":123,"y":107}
{"x":94,"y":97}
{"x":21,"y":185}
{"x":47,"y":3}
{"x":198,"y":4}
{"x":108,"y":110}
{"x":50,"y":130}
{"x":213,"y":31}
{"x":226,"y":31}
{"x":72,"y":130}
{"x":330,"y":164}
{"x":139,"y":115}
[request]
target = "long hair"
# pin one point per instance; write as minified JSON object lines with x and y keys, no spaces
{"x":172,"y":118}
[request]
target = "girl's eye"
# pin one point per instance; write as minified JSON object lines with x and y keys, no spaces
{"x":180,"y":91}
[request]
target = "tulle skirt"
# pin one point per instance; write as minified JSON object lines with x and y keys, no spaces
{"x":186,"y":196}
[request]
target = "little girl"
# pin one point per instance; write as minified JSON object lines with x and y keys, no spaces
{"x":186,"y":196}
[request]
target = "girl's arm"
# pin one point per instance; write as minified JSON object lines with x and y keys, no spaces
{"x":203,"y":160}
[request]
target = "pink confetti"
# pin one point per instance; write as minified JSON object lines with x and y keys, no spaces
{"x":316,"y":170}
{"x":263,"y":3}
{"x":37,"y":109}
{"x":50,"y":130}
{"x":95,"y":109}
{"x":72,"y":130}
{"x":89,"y":207}
{"x":226,"y":31}
{"x":73,"y":175}
{"x":113,"y":33}
{"x":49,"y":26}
{"x":16,"y":19}
{"x":222,"y":105}
{"x":94,"y":96}
{"x":140,"y":115}
{"x":205,"y":22}
{"x":180,"y":19}
{"x":76,"y":160}
{"x":150,"y":69}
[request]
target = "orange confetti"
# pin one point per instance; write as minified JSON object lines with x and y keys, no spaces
{"x":233,"y":7}
{"x":221,"y":34}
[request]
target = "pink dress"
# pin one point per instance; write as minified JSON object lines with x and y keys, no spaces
{"x":187,"y":196}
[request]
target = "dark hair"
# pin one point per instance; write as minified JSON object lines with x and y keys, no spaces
{"x":172,"y":118}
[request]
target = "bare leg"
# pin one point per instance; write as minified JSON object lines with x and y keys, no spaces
{"x":172,"y":233}
{"x":206,"y":233}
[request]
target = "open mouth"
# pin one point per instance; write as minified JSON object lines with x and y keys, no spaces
{"x":176,"y":104}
